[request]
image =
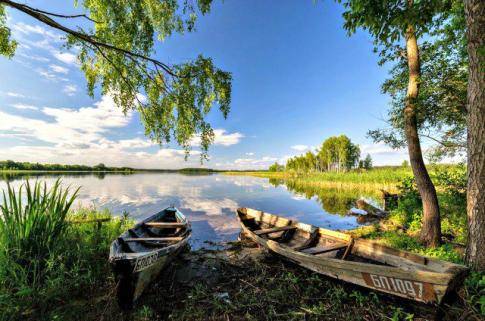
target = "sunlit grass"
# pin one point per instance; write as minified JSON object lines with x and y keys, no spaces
{"x":50,"y":256}
{"x":32,"y":220}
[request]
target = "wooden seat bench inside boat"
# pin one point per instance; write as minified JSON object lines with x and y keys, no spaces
{"x":274,"y":230}
{"x":139,"y":254}
{"x":324,"y":249}
{"x":160,"y":239}
{"x":359,"y":261}
{"x":151,"y":234}
{"x":165,"y":225}
{"x":292,"y":236}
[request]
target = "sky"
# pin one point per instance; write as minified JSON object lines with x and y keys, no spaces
{"x":298,"y":78}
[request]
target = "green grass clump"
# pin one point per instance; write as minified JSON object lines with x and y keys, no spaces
{"x":30,"y":225}
{"x":50,"y":266}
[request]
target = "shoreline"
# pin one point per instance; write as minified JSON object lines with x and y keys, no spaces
{"x":244,"y":282}
{"x":237,"y":281}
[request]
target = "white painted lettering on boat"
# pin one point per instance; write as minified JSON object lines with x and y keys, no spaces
{"x":145,"y":261}
{"x":414,"y":289}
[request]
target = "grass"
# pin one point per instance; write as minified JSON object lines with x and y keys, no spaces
{"x":371,"y":180}
{"x":75,"y":276}
{"x":74,"y":281}
{"x":244,"y":283}
{"x":45,"y":260}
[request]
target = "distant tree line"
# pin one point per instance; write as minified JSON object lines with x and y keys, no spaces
{"x":26,"y":166}
{"x":276,"y":167}
{"x":336,"y":154}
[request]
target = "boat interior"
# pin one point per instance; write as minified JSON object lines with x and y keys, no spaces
{"x":158,"y":231}
{"x":293,"y":236}
{"x":320,"y":242}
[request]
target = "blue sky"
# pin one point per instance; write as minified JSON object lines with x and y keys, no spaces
{"x":297,"y":79}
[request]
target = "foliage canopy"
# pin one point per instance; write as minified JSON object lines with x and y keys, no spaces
{"x":440,"y":106}
{"x":115,"y":41}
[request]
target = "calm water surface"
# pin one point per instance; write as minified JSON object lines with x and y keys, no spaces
{"x":209,"y":201}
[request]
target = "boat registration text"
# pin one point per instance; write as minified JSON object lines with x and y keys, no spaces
{"x":145,"y":261}
{"x":413,"y":289}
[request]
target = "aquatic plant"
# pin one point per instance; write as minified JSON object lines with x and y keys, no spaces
{"x":31,"y":222}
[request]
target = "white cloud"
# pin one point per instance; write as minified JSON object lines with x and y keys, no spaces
{"x":59,"y":69}
{"x":50,"y":75}
{"x":65,"y":57}
{"x":383,"y":155}
{"x":36,"y":36}
{"x":27,"y":29}
{"x":31,"y":56}
{"x":255,"y":163}
{"x":135,"y":143}
{"x":250,"y":154}
{"x":16,"y":95}
{"x":379,"y":148}
{"x":70,"y":90}
{"x":221,"y":137}
{"x":24,"y":107}
{"x":79,"y":136}
{"x":300,"y":148}
{"x":76,"y":126}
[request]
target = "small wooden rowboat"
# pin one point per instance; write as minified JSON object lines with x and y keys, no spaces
{"x":138,"y":255}
{"x":357,"y":261}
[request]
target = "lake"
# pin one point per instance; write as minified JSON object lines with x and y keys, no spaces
{"x":209,"y":201}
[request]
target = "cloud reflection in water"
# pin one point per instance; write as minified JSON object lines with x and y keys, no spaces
{"x":209,"y":201}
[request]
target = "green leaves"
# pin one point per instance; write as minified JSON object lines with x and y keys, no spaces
{"x":7,"y":45}
{"x":180,"y":111}
{"x":440,"y":105}
{"x":177,"y":98}
{"x":116,"y":52}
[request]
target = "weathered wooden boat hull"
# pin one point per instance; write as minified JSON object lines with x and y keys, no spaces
{"x":362,"y":262}
{"x":132,"y":279}
{"x":135,"y":271}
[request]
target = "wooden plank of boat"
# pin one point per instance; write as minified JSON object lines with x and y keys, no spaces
{"x":274,"y":230}
{"x":138,"y":255}
{"x":324,"y":249}
{"x":165,"y":225}
{"x":364,"y":262}
{"x":161,"y":239}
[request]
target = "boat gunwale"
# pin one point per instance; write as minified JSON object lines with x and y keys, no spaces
{"x":168,"y":248}
{"x":440,"y":278}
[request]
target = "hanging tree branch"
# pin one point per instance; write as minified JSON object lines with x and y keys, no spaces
{"x":43,"y":17}
{"x":61,"y":15}
{"x":117,"y":57}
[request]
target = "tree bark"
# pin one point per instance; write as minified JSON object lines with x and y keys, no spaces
{"x":475,"y":19}
{"x":431,"y":229}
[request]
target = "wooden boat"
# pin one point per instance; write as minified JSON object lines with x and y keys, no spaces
{"x":138,"y":255}
{"x":358,"y":261}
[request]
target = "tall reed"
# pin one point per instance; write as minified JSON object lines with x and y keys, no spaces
{"x":32,"y":219}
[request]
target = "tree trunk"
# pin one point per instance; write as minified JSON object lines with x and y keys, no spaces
{"x":475,"y":19}
{"x":431,"y":229}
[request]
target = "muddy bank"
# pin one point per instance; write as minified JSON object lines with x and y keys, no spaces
{"x":243,"y":282}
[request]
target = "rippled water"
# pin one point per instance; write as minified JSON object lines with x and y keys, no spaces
{"x":209,"y":201}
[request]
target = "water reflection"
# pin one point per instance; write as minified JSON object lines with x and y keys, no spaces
{"x":333,"y":200}
{"x":209,"y":201}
